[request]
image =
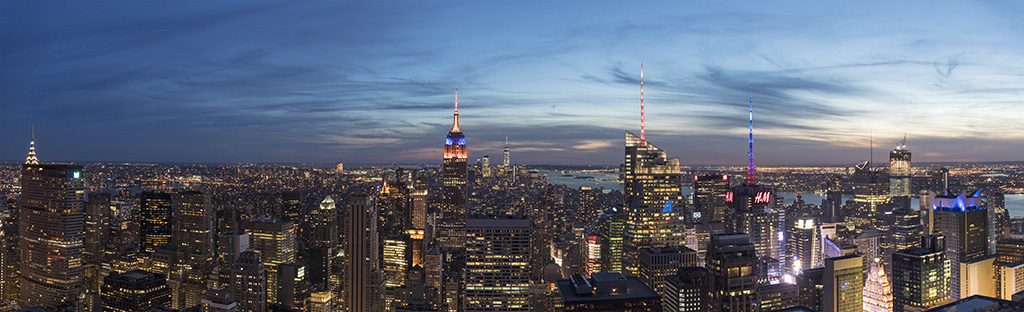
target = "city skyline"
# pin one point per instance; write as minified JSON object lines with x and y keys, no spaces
{"x":374,"y":83}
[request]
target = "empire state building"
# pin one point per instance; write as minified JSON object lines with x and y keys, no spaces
{"x":453,"y":172}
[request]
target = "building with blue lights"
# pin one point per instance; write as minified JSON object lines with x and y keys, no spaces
{"x":652,"y":186}
{"x":963,"y":220}
{"x":452,"y":222}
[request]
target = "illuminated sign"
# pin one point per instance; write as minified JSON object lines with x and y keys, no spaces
{"x":76,"y":174}
{"x":728,"y":197}
{"x":725,"y":177}
{"x":763,"y":197}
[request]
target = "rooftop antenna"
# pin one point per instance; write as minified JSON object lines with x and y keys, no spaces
{"x":903,"y":143}
{"x":871,"y":140}
{"x":455,"y":125}
{"x":643,"y":140}
{"x":750,"y":141}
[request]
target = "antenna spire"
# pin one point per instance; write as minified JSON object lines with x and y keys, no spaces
{"x":643,"y":139}
{"x":871,"y":141}
{"x":751,"y":170}
{"x":455,"y":124}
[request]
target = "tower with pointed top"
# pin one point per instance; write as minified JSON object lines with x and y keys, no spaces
{"x":31,"y":159}
{"x":899,"y":170}
{"x":653,"y":202}
{"x":452,"y":226}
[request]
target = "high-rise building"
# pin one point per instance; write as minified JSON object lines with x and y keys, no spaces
{"x":1009,"y":267}
{"x":653,"y":210}
{"x":777,"y":297}
{"x":248,"y":282}
{"x":362,"y":277}
{"x":219,"y":301}
{"x":97,"y":235}
{"x":920,"y":276}
{"x":611,"y":226}
{"x":275,"y":241}
{"x":803,"y":245}
{"x":902,"y":229}
{"x":709,"y":192}
{"x":877,"y":291}
{"x":291,"y":207}
{"x":156,"y":223}
{"x":321,"y":302}
{"x":870,"y":189}
{"x":51,"y":228}
{"x":497,"y":264}
{"x":9,"y":257}
{"x":324,"y":245}
{"x":656,"y":264}
{"x":844,"y":284}
{"x":963,"y":221}
{"x":899,"y":170}
{"x":732,"y":261}
{"x":811,"y":285}
{"x":135,"y":291}
{"x":394,"y":207}
{"x":689,"y":290}
{"x":753,"y":211}
{"x":452,"y":223}
{"x":192,"y":239}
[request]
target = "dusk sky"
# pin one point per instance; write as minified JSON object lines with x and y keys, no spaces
{"x":374,"y":82}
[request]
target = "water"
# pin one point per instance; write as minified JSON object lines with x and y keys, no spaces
{"x":606,"y":180}
{"x":1015,"y":204}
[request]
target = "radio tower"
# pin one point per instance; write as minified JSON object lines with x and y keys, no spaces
{"x":643,"y":140}
{"x":751,"y":170}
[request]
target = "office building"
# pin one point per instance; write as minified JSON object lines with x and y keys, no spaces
{"x":156,"y":223}
{"x":51,"y":227}
{"x":844,"y":284}
{"x":218,"y":301}
{"x":607,"y":292}
{"x":709,"y":191}
{"x":497,"y":264}
{"x":977,"y":277}
{"x":899,"y":171}
{"x":732,"y":261}
{"x":192,"y":239}
{"x":920,"y":276}
{"x":9,"y":255}
{"x":362,"y":278}
{"x":870,"y":189}
{"x":275,"y":241}
{"x":291,"y":207}
{"x":877,"y":290}
{"x":777,"y":297}
{"x":248,"y":282}
{"x":611,"y":226}
{"x":811,"y":288}
{"x":451,"y":225}
{"x":653,"y":208}
{"x":135,"y":291}
{"x":656,"y":264}
{"x":803,"y":245}
{"x":689,"y":290}
{"x":962,"y":220}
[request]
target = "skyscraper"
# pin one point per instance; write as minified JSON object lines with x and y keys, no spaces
{"x":844,"y":284}
{"x":275,"y":241}
{"x":9,"y":257}
{"x":497,"y":264}
{"x":899,"y":170}
{"x":611,"y":227}
{"x":877,"y":291}
{"x":963,"y":221}
{"x":249,"y":282}
{"x":193,"y":242}
{"x":920,"y":276}
{"x":452,"y":226}
{"x":51,"y":227}
{"x":156,"y":224}
{"x":362,"y":277}
{"x":709,"y":191}
{"x":870,"y":189}
{"x":732,"y":261}
{"x":97,"y":235}
{"x":688,"y":291}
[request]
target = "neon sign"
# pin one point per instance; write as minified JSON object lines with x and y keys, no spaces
{"x":728,"y":197}
{"x":763,"y":197}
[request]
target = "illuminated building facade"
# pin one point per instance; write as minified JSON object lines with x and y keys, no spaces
{"x":497,"y":264}
{"x":964,"y":222}
{"x":193,"y":241}
{"x":135,"y":291}
{"x":870,"y":189}
{"x":844,"y":284}
{"x":97,"y":235}
{"x":607,"y":292}
{"x":291,"y":207}
{"x":652,"y":185}
{"x":920,"y":278}
{"x":732,"y":261}
{"x":51,"y":230}
{"x":611,"y":229}
{"x":275,"y":241}
{"x":689,"y":290}
{"x":452,"y":224}
{"x":248,"y":282}
{"x":753,"y":211}
{"x":156,"y":223}
{"x":877,"y":291}
{"x":9,"y":257}
{"x":776,"y":297}
{"x":803,"y":246}
{"x":899,"y":171}
{"x":656,"y":264}
{"x":709,"y":191}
